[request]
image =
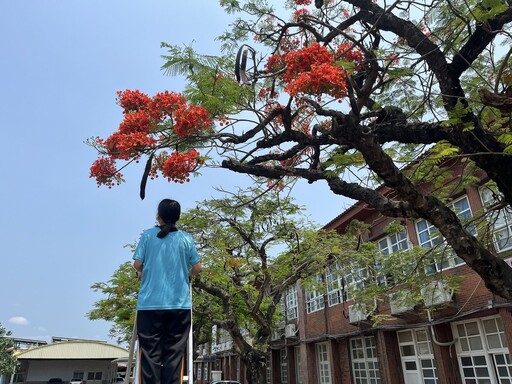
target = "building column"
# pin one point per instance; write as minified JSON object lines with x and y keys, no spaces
{"x":506,"y":318}
{"x":388,"y":356}
{"x":308,"y":364}
{"x":445,"y":356}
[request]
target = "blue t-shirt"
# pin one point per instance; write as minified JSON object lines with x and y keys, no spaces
{"x":166,"y":266}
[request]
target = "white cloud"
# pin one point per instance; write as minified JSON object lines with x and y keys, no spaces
{"x":19,"y":320}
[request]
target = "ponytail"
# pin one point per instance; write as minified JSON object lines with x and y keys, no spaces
{"x":169,"y":211}
{"x":165,"y":229}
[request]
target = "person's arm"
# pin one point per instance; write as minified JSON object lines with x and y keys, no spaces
{"x":137,"y":265}
{"x":195,"y":270}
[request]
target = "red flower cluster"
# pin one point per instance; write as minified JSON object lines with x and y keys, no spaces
{"x":299,"y":12}
{"x":127,"y":146}
{"x":275,"y":63}
{"x":105,"y":172}
{"x":178,"y":166}
{"x":132,"y":100}
{"x":312,"y":70}
{"x":348,"y":52}
{"x":303,"y":2}
{"x":145,"y":119}
{"x":137,"y":121}
{"x":191,"y":119}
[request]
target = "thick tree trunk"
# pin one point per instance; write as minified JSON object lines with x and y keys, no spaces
{"x":256,"y":371}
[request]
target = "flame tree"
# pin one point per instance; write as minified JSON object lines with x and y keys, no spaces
{"x":356,"y":94}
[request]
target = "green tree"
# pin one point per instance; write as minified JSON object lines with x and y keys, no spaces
{"x":118,"y":307}
{"x":361,"y":95}
{"x":254,"y":246}
{"x":8,"y":362}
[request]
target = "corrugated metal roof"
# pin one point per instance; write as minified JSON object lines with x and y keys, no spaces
{"x":74,"y":350}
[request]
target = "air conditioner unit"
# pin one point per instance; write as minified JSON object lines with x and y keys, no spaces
{"x":357,"y":313}
{"x":277,"y":333}
{"x":398,"y":304}
{"x":290,"y":330}
{"x":436,"y":293}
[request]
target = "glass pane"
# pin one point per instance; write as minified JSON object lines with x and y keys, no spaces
{"x":466,"y":361}
{"x":461,"y":329}
{"x":490,"y":326}
{"x":494,"y":341}
{"x":481,"y":372}
{"x":410,"y":365}
{"x":407,"y":350}
{"x":479,"y":360}
{"x":404,"y":336}
{"x":424,"y":348}
{"x":472,"y":328}
{"x":428,"y":373}
{"x":475,"y":343}
{"x":421,"y":335}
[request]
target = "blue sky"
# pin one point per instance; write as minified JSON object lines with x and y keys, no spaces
{"x":61,"y":63}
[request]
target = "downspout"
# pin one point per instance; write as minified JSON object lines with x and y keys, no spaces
{"x":437,"y":342}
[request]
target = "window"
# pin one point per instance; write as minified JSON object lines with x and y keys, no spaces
{"x":429,"y":237}
{"x":315,"y":298}
{"x":94,"y":375}
{"x":284,"y":366}
{"x":335,"y":285}
{"x":483,"y":352}
{"x":365,"y":367}
{"x":298,"y":373}
{"x":322,"y":360}
{"x":393,"y":243}
{"x":417,"y":356}
{"x":78,"y":375}
{"x":291,"y":303}
{"x":501,"y":220}
{"x":268,"y":364}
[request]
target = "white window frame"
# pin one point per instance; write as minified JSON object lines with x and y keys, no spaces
{"x":417,"y":349}
{"x":298,"y":370}
{"x":283,"y":366}
{"x":322,"y":363}
{"x":292,"y":306}
{"x":334,"y":279}
{"x":449,"y":259}
{"x":394,"y":243}
{"x":501,"y":220}
{"x":482,"y":350}
{"x":315,"y":298}
{"x":365,"y":365}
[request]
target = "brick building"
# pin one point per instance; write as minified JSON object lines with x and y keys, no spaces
{"x":452,"y":337}
{"x":461,"y":336}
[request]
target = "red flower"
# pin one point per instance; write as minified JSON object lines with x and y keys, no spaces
{"x":164,"y":104}
{"x":138,"y":121}
{"x":178,"y":166}
{"x":133,"y":100}
{"x":190,"y":120}
{"x":105,"y":172}
{"x":128,"y":146}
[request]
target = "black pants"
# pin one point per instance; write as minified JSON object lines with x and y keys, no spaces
{"x":163,"y":336}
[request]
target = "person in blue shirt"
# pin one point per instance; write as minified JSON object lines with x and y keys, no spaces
{"x":166,"y":259}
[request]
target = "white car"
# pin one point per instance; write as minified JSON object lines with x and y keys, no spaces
{"x":76,"y":381}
